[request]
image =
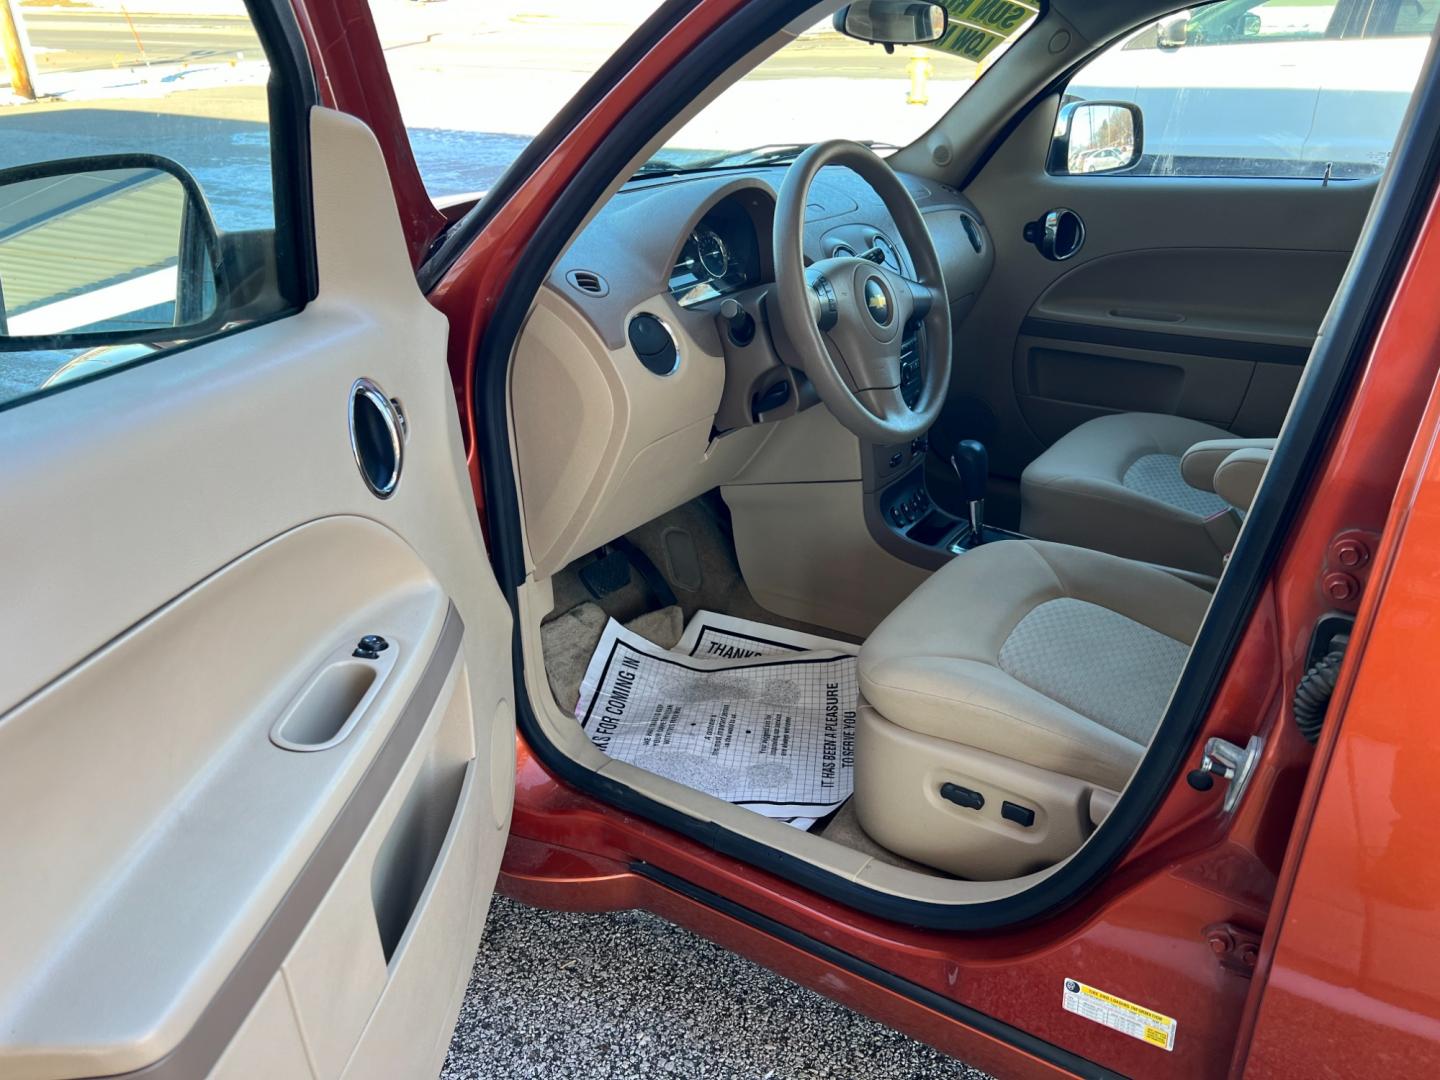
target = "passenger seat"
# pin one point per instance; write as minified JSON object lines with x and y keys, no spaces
{"x":1142,"y":486}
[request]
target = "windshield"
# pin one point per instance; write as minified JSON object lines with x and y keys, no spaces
{"x":824,"y":85}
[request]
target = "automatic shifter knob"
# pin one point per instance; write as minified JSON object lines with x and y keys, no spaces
{"x":971,"y":463}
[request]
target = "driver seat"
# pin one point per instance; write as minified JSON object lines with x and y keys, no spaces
{"x":1005,"y":703}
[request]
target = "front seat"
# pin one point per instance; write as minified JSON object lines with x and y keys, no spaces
{"x":1115,"y":484}
{"x":1006,"y":701}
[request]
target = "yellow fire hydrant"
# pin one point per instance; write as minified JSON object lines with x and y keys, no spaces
{"x":919,"y":68}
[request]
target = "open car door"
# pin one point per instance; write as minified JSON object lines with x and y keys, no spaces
{"x":256,"y":739}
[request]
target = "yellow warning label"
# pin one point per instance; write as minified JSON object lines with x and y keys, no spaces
{"x":1123,"y":1016}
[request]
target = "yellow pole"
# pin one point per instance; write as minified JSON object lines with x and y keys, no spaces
{"x":16,"y":48}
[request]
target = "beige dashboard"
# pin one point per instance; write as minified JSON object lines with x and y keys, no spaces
{"x":603,"y":442}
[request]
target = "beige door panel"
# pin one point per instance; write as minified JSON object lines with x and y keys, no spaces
{"x":1226,"y":294}
{"x":268,"y":1043}
{"x":1267,"y":400}
{"x":1184,"y":283}
{"x":1062,"y":383}
{"x":215,"y":820}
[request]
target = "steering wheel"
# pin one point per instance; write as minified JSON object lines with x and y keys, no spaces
{"x":846,"y":318}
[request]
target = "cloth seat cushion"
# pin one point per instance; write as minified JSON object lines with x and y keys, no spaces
{"x":1114,"y":484}
{"x":1051,"y":655}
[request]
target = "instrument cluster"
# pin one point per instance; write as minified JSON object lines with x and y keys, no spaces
{"x":720,"y":256}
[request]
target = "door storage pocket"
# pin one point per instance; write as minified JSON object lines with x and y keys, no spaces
{"x":407,"y":855}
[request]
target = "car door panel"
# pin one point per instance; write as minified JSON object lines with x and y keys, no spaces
{"x":1190,"y":295}
{"x":1215,"y":334}
{"x":214,"y":558}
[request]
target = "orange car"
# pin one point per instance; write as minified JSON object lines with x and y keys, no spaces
{"x":953,"y":557}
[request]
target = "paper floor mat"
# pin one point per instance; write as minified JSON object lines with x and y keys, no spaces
{"x":753,"y":714}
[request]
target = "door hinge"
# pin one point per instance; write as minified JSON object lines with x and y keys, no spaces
{"x":1232,"y":764}
{"x":1347,"y":567}
{"x":1236,"y":948}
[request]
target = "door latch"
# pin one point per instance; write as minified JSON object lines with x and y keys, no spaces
{"x":1233,"y":765}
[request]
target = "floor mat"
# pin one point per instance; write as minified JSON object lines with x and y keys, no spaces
{"x":568,"y":641}
{"x":753,"y":714}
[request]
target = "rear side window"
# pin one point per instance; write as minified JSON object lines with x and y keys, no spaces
{"x":1267,"y":88}
{"x":137,"y":195}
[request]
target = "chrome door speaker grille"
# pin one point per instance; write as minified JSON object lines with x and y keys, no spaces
{"x":377,"y":437}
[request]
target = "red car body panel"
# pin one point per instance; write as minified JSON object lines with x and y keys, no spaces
{"x":1346,"y":900}
{"x":1352,"y":984}
{"x":350,"y":75}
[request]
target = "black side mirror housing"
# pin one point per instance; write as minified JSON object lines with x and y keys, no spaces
{"x":115,"y":249}
{"x":1097,"y":137}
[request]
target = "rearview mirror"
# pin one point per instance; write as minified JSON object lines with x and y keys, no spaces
{"x":105,"y":251}
{"x":1096,"y":137}
{"x":892,"y":22}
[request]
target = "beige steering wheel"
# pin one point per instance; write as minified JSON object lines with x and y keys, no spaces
{"x":846,"y":317}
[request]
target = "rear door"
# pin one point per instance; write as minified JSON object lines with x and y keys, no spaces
{"x":1204,"y":271}
{"x":256,"y":740}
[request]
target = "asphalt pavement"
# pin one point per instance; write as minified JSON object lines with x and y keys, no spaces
{"x":622,"y":996}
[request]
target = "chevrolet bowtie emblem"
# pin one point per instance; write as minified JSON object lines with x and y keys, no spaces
{"x":877,"y":302}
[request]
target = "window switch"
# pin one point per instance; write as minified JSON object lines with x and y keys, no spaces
{"x":1021,"y":815}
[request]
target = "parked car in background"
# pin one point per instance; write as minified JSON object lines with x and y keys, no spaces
{"x":1269,"y":87}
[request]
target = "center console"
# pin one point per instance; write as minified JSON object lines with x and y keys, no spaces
{"x":902,"y":515}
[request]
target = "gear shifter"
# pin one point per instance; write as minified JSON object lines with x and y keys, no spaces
{"x":971,"y":463}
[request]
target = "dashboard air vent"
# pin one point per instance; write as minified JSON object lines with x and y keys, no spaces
{"x":587,"y":281}
{"x":653,"y":344}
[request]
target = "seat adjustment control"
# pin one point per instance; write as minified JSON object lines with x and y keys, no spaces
{"x":1021,"y":815}
{"x":962,"y":796}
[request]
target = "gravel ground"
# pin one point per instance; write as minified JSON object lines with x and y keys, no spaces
{"x":611,"y":997}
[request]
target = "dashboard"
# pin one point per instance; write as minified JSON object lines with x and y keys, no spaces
{"x":652,"y":365}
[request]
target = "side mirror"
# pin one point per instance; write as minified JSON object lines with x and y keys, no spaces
{"x":1173,"y":31}
{"x":1097,"y":137}
{"x":892,"y":22}
{"x":109,"y":250}
{"x":1250,"y":25}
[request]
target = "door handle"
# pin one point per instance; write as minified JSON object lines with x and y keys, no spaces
{"x":1057,"y":235}
{"x":334,"y":699}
